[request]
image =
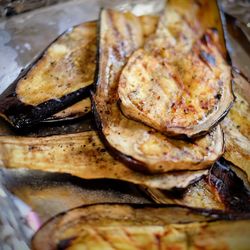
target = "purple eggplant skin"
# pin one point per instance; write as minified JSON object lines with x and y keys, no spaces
{"x":230,"y":188}
{"x":21,"y":115}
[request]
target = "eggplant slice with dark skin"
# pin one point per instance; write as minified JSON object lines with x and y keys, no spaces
{"x":82,"y":155}
{"x":236,"y":127}
{"x":130,"y":226}
{"x":139,"y":146}
{"x":179,"y":83}
{"x":60,"y":77}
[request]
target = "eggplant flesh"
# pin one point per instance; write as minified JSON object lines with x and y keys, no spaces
{"x":236,"y":127}
{"x":60,"y":77}
{"x":139,"y":146}
{"x":179,"y":83}
{"x":140,"y":227}
{"x":75,"y":111}
{"x":82,"y":155}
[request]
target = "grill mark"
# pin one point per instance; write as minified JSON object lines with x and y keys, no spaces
{"x":129,"y":31}
{"x":118,"y":37}
{"x":104,"y":238}
{"x":130,"y":238}
{"x":180,"y":83}
{"x":193,"y":28}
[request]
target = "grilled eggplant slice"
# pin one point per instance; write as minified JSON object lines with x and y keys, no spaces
{"x":236,"y":127}
{"x":49,"y":193}
{"x":178,"y":84}
{"x":139,"y":146}
{"x":59,"y":78}
{"x":82,"y":155}
{"x":140,"y":227}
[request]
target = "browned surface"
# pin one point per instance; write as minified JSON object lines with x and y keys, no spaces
{"x":133,"y":142}
{"x":179,"y":83}
{"x":68,"y":65}
{"x":133,"y":227}
{"x":82,"y":155}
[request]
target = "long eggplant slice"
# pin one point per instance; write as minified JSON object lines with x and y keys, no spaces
{"x":236,"y":127}
{"x":60,"y":77}
{"x":77,"y":110}
{"x":140,"y":227}
{"x":49,"y":193}
{"x":139,"y":146}
{"x":179,"y":84}
{"x":82,"y":155}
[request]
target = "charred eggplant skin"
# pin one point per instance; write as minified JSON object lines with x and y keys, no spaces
{"x":230,"y":187}
{"x":21,"y":115}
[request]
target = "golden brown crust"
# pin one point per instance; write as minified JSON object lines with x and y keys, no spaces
{"x":68,"y":65}
{"x":140,"y":146}
{"x":112,"y":226}
{"x":82,"y":155}
{"x":178,"y":84}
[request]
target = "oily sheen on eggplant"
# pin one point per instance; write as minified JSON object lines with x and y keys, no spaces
{"x":82,"y":155}
{"x":139,"y":146}
{"x":180,"y":82}
{"x":130,"y":226}
{"x":60,"y":77}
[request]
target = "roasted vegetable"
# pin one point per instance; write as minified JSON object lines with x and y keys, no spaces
{"x":141,"y":227}
{"x":138,"y":145}
{"x":179,"y":83}
{"x":236,"y":127}
{"x":60,"y":77}
{"x":82,"y":155}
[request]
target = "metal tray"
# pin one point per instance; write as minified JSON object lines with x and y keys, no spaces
{"x":28,"y":198}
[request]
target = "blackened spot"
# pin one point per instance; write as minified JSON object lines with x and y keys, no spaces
{"x":230,"y":187}
{"x":218,"y":96}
